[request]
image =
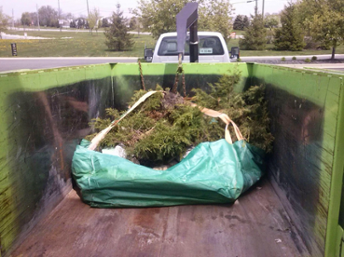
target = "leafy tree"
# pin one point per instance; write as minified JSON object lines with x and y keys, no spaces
{"x":72,"y":24}
{"x":135,"y":24}
{"x":160,"y":16}
{"x":93,"y":18}
{"x":48,"y":16}
{"x":3,"y":21}
{"x":270,"y":22}
{"x":246,"y":22}
{"x":80,"y":23}
{"x":17,"y":22}
{"x":26,"y":19}
{"x":324,"y":20}
{"x":289,"y":36}
{"x":239,"y":23}
{"x":117,"y":36}
{"x":216,"y":15}
{"x":105,"y":23}
{"x":33,"y":18}
{"x":67,"y":16}
{"x":132,"y":23}
{"x":255,"y":35}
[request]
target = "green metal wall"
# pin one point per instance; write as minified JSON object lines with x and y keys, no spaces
{"x":306,"y":166}
{"x":35,"y":152}
{"x":306,"y":169}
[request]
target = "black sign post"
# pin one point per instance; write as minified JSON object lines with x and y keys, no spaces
{"x":14,"y":49}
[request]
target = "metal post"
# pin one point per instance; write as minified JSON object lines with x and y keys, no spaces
{"x":14,"y":49}
{"x":37,"y":18}
{"x":193,"y":43}
{"x":263,"y":9}
{"x":184,"y":20}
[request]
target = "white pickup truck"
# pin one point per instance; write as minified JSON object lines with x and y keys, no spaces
{"x":211,"y":47}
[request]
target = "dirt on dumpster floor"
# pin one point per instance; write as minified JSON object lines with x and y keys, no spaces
{"x":255,"y":225}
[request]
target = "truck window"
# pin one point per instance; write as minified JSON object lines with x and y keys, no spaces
{"x":208,"y":45}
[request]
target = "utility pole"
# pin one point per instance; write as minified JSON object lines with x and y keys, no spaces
{"x":12,"y":19}
{"x":88,"y":10}
{"x":88,"y":16}
{"x":256,"y":7}
{"x":59,"y":9}
{"x":37,"y":18}
{"x":263,"y":9}
{"x":59,"y":15}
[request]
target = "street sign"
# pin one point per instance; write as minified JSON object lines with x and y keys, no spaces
{"x":14,"y":49}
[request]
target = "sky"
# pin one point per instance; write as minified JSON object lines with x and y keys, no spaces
{"x":106,"y":7}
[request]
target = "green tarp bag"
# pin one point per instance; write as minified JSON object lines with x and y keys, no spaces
{"x":213,"y":172}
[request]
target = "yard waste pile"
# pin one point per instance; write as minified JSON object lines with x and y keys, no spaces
{"x":162,"y":127}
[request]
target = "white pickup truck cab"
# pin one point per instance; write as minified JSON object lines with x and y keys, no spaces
{"x":211,"y":46}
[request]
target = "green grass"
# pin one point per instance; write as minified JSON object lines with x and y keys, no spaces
{"x":270,"y":52}
{"x":93,"y":45}
{"x":81,"y":44}
{"x":238,"y":32}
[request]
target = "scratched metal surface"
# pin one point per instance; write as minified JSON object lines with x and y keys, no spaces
{"x":303,"y":108}
{"x":42,"y":130}
{"x":256,"y":225}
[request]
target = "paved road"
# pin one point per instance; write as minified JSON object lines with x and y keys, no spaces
{"x":14,"y":63}
{"x":338,"y":69}
{"x":10,"y":64}
{"x":68,"y":30}
{"x":317,"y":66}
{"x":271,"y":59}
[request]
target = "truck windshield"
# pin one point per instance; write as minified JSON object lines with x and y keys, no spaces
{"x":208,"y":45}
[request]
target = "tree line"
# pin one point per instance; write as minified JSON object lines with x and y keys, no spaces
{"x":306,"y":24}
{"x":3,"y":21}
{"x":48,"y":16}
{"x":160,"y":16}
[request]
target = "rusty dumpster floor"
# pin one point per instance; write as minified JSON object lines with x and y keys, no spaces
{"x":256,"y":225}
